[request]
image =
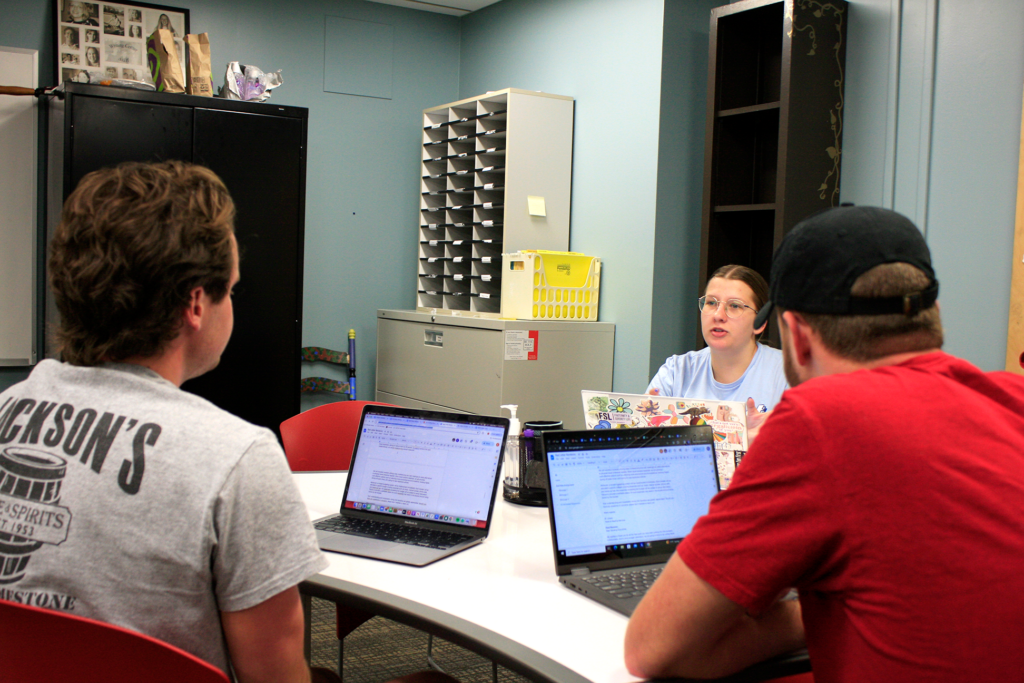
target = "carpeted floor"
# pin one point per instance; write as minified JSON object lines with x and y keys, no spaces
{"x":381,"y":649}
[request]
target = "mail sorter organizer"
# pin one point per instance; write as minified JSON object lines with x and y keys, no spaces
{"x":550,"y":285}
{"x":496,"y":177}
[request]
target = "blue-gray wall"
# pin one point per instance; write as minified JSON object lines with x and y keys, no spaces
{"x":684,"y":78}
{"x":362,"y":174}
{"x":638,"y":152}
{"x":933,"y":111}
{"x":974,"y":156}
{"x":933,"y":130}
{"x":607,"y":55}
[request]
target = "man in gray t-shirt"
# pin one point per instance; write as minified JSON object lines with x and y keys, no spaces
{"x":122,"y":497}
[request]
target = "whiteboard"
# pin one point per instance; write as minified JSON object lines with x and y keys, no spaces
{"x":18,"y":232}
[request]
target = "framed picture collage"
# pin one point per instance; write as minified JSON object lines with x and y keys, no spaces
{"x":100,"y":41}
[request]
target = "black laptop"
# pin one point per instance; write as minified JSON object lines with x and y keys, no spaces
{"x":421,"y":485}
{"x":621,"y":500}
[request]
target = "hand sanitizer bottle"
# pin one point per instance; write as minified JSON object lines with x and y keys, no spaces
{"x":511,"y":478}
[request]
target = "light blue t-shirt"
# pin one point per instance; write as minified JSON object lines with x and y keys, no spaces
{"x":690,"y":376}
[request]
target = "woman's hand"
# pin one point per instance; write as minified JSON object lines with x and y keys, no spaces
{"x":755,"y":420}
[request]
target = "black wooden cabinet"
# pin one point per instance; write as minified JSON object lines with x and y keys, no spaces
{"x":259,"y":150}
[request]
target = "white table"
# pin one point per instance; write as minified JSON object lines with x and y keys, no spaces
{"x":501,"y":599}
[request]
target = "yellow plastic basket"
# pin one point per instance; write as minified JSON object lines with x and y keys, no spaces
{"x":550,"y":285}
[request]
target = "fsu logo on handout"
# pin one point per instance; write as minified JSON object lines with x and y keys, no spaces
{"x":30,"y":516}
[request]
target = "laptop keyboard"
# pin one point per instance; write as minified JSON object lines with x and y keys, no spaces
{"x":397,"y":533}
{"x":626,"y":583}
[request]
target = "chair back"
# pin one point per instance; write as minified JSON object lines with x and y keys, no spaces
{"x":43,"y":646}
{"x":323,"y":438}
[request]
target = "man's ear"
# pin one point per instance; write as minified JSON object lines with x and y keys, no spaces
{"x":797,"y":336}
{"x":194,"y":310}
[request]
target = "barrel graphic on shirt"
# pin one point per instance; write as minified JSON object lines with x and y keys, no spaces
{"x":30,"y":483}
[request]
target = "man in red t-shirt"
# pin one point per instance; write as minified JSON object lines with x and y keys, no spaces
{"x":886,"y":486}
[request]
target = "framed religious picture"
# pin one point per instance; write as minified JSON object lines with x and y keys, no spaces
{"x":103,"y":41}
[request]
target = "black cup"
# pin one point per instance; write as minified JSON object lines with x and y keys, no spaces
{"x":533,"y":467}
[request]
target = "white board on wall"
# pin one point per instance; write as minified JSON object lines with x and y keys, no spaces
{"x":18,"y":233}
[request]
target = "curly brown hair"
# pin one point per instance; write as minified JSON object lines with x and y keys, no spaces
{"x":132,"y":243}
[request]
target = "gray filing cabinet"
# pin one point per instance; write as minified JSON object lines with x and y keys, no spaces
{"x":463,"y":364}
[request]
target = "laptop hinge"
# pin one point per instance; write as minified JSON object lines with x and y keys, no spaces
{"x":581,"y":571}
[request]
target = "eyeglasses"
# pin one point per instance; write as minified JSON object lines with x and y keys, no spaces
{"x":733,"y":307}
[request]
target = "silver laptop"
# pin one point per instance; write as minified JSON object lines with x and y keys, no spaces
{"x":421,"y":485}
{"x":621,"y":500}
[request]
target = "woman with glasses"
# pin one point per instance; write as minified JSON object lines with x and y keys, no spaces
{"x":733,"y":366}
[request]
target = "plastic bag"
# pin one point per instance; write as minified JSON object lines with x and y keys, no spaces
{"x":243,"y":82}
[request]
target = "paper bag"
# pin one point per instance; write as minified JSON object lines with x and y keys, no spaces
{"x":162,"y":57}
{"x":200,"y":74}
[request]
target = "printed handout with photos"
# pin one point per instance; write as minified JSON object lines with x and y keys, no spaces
{"x":607,"y":410}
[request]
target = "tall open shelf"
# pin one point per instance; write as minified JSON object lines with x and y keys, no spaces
{"x":483,"y":158}
{"x":773,"y":141}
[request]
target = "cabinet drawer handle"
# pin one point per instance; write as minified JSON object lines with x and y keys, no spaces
{"x":433,"y":338}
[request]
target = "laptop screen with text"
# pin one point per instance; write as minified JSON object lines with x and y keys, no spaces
{"x":430,"y":469}
{"x":627,"y":493}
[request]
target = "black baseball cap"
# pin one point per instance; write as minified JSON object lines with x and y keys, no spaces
{"x":819,"y":260}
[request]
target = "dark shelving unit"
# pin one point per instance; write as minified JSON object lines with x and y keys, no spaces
{"x":773,"y":142}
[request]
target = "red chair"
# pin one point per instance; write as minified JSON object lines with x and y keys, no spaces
{"x":42,"y":646}
{"x":322,"y":438}
{"x":318,"y":440}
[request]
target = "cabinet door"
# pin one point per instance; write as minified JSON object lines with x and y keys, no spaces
{"x":106,"y":132}
{"x":261,"y":159}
